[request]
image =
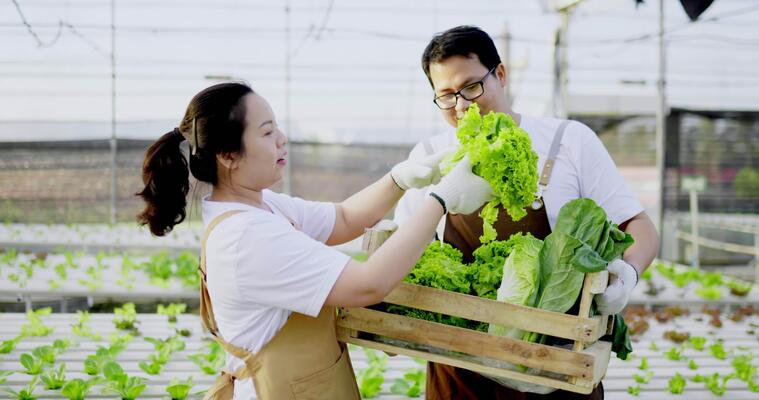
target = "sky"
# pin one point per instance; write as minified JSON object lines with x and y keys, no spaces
{"x":355,"y":71}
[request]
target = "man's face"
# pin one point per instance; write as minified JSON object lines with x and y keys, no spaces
{"x":454,"y":73}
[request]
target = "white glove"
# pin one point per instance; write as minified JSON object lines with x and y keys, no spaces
{"x":623,"y":278}
{"x":418,"y":173}
{"x":461,"y":191}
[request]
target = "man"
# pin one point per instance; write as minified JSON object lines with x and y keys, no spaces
{"x":463,"y":67}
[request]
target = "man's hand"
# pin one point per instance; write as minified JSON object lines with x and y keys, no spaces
{"x":418,"y":173}
{"x":623,"y":278}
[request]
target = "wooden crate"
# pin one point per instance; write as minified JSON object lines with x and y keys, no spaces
{"x":580,"y":368}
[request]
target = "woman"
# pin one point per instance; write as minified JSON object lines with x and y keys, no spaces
{"x":272,"y":280}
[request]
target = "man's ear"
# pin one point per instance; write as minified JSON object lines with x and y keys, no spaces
{"x":227,"y":160}
{"x":500,"y":73}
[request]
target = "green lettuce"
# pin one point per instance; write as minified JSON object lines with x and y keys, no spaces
{"x":521,"y":272}
{"x":501,"y":153}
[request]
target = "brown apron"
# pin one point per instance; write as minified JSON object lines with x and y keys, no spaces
{"x":303,"y":360}
{"x":445,"y":382}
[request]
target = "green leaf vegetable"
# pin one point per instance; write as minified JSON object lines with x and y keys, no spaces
{"x":27,"y":393}
{"x":77,"y":389}
{"x":676,"y":384}
{"x":520,"y":280}
{"x":118,"y":382}
{"x":212,"y":362}
{"x":54,"y":379}
{"x":171,"y":311}
{"x":411,"y":384}
{"x":371,"y":378}
{"x":179,"y":391}
{"x":501,"y":153}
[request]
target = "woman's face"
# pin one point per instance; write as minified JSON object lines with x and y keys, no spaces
{"x":262,"y":163}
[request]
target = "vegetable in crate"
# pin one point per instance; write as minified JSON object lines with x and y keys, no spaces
{"x":501,"y":153}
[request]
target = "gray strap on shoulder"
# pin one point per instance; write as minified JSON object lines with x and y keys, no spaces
{"x":545,"y":174}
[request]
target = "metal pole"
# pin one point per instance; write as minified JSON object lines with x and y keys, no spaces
{"x":286,"y":181}
{"x":756,"y":256}
{"x":694,"y":228}
{"x":560,"y":64}
{"x":564,"y":62}
{"x":113,"y":114}
{"x":661,"y":112}
{"x":507,"y":62}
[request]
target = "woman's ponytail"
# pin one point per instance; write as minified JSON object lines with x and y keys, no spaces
{"x":166,"y":177}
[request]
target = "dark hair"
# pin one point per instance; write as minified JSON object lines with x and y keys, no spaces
{"x":213,"y":124}
{"x":464,"y":41}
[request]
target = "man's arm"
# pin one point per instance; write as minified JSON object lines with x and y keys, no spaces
{"x":646,"y":246}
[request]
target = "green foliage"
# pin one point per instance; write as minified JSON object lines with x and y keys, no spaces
{"x":179,"y":391}
{"x":643,"y":379}
{"x":744,"y":369}
{"x":676,"y":384}
{"x":82,"y":328}
{"x":674,"y":354}
{"x":746,"y":183}
{"x":164,"y":349}
{"x":31,"y":364}
{"x":643,"y":364}
{"x":212,"y":362}
{"x":718,"y":351}
{"x":118,"y":382}
{"x":158,"y":269}
{"x":126,"y":318}
{"x":55,"y":379}
{"x":633,"y":390}
{"x":27,"y":393}
{"x":501,"y":153}
{"x":4,"y":376}
{"x":697,"y":342}
{"x":187,"y":269}
{"x":77,"y":389}
{"x":370,"y":379}
{"x":709,"y":292}
{"x":7,"y":346}
{"x":172,"y":310}
{"x":412,"y":383}
{"x":34,"y":325}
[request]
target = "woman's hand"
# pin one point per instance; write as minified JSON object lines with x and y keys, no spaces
{"x":461,"y":191}
{"x":418,"y":173}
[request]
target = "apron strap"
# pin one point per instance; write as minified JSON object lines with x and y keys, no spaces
{"x":206,"y":310}
{"x":545,"y":174}
{"x":223,"y":388}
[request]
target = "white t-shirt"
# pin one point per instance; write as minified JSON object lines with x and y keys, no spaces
{"x":260,"y":269}
{"x":583,"y":169}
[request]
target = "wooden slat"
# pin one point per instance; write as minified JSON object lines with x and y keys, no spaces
{"x":467,"y":341}
{"x":457,"y":362}
{"x":494,"y":312}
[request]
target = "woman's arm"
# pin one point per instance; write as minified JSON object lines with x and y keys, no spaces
{"x":361,"y":284}
{"x":364,"y":209}
{"x":364,"y":283}
{"x":646,"y":246}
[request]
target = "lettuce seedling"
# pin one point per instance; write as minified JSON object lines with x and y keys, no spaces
{"x":411,"y":384}
{"x":55,"y":379}
{"x":179,"y":391}
{"x":118,"y":382}
{"x":27,"y":393}
{"x":676,"y":384}
{"x":171,"y":311}
{"x":77,"y":389}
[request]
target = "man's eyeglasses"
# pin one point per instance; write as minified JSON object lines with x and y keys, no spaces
{"x":468,"y":92}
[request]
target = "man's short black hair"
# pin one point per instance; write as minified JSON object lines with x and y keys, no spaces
{"x":464,"y":41}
